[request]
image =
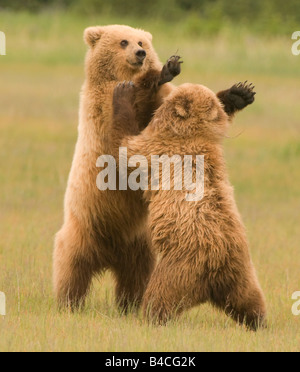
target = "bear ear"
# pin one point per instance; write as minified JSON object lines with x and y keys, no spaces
{"x":149,"y":36}
{"x":92,"y":35}
{"x":182,"y":108}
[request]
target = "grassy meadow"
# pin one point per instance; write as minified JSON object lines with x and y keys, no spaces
{"x":40,"y":81}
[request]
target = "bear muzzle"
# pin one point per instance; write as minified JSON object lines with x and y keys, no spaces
{"x":140,"y":57}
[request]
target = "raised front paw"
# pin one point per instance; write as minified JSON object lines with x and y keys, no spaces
{"x":174,"y":65}
{"x":171,"y":69}
{"x":124,"y":95}
{"x":241,"y":95}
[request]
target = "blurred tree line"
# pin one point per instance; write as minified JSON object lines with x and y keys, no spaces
{"x":269,"y":15}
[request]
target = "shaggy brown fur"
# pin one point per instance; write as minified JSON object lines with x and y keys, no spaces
{"x":134,"y":103}
{"x":202,"y":246}
{"x":107,"y":230}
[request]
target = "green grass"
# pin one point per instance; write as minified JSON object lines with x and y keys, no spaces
{"x":40,"y":79}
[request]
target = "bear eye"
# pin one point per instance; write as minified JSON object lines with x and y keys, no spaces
{"x":140,"y":44}
{"x":124,"y":43}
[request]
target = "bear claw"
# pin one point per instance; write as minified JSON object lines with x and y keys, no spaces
{"x":174,"y":67}
{"x":242,"y":94}
{"x":171,"y":69}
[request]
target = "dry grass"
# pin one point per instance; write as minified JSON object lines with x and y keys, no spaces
{"x":40,"y":83}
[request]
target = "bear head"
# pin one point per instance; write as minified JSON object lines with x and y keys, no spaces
{"x":118,"y":53}
{"x":192,"y":111}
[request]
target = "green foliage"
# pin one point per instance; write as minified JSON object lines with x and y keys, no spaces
{"x":268,"y":16}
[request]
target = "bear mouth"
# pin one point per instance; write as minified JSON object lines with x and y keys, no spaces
{"x":136,"y":64}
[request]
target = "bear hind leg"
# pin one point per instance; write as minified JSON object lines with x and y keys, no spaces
{"x":132,"y":274}
{"x":74,"y":269}
{"x":245,"y":304}
{"x":173,"y":289}
{"x":249,"y":309}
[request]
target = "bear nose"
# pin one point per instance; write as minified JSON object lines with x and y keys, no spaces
{"x":141,"y":54}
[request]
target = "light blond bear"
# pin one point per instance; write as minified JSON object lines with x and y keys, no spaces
{"x":106,"y":230}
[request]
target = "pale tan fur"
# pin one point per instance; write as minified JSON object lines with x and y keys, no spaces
{"x":104,"y":230}
{"x":202,"y":246}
